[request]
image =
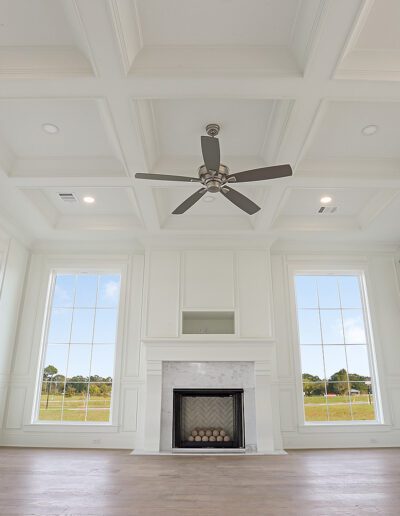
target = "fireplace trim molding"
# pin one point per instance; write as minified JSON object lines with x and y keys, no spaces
{"x":260,"y":352}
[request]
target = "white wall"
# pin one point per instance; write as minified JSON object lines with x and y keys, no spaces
{"x":208,"y":280}
{"x":13,"y":262}
{"x":162,"y":283}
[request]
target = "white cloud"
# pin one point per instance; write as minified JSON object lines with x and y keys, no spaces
{"x":354,"y":331}
{"x":111,"y":290}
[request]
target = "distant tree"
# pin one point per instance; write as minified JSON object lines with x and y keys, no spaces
{"x":313,"y":385}
{"x":94,"y":390}
{"x":357,"y":381}
{"x":70,"y":391}
{"x":338,"y":383}
{"x":341,"y":386}
{"x":49,"y":373}
{"x":96,"y":378}
{"x":311,"y":378}
{"x":79,"y":383}
{"x":314,"y":388}
{"x":105,"y":390}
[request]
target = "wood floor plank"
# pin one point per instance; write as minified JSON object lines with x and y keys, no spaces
{"x":49,"y":482}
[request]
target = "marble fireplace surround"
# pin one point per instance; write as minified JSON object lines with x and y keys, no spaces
{"x":214,"y":364}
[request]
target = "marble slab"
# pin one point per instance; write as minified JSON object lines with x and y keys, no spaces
{"x":212,"y":375}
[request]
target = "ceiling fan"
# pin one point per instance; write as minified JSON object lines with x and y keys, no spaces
{"x":215,"y":177}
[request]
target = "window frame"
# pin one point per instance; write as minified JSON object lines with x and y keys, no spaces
{"x":45,"y":312}
{"x":329,"y":268}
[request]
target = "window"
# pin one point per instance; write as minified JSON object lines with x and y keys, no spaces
{"x":78,"y":361}
{"x":335,"y":348}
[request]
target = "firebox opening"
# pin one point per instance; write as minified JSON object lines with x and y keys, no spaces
{"x":208,"y":418}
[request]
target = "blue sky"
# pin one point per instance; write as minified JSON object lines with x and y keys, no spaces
{"x":83,"y":324}
{"x":331,"y":325}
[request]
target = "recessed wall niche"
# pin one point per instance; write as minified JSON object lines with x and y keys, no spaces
{"x":214,"y":323}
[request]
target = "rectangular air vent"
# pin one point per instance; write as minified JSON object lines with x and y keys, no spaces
{"x":327,"y":210}
{"x":68,"y":197}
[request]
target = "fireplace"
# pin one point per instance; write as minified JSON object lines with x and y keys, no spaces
{"x":246,"y":366}
{"x":208,"y":418}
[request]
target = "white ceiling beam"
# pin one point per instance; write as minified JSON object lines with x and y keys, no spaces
{"x":70,"y":182}
{"x":125,"y":124}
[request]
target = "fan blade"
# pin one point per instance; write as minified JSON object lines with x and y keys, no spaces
{"x":260,"y":174}
{"x":211,"y":153}
{"x":165,"y":177}
{"x":241,"y":201}
{"x":188,"y":203}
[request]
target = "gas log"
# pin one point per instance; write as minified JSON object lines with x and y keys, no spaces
{"x":210,"y":434}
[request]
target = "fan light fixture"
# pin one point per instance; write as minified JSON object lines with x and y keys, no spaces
{"x":214,"y":177}
{"x":326,"y":199}
{"x":369,"y":130}
{"x":89,"y":199}
{"x":208,"y":198}
{"x":50,"y":128}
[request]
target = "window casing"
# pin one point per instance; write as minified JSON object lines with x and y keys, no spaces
{"x":337,"y":366}
{"x":77,"y":366}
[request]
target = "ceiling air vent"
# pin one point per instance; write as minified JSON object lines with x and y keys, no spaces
{"x":327,"y":210}
{"x":68,"y":197}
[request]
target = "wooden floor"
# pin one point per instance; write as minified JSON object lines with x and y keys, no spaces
{"x":93,"y":482}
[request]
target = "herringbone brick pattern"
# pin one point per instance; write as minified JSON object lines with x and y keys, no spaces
{"x":207,"y":412}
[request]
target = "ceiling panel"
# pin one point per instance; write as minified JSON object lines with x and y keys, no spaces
{"x":111,"y":205}
{"x":32,"y":23}
{"x":181,"y":123}
{"x":42,"y":38}
{"x":306,"y":201}
{"x":81,"y":126}
{"x":115,"y":201}
{"x":339,"y":131}
{"x":381,"y":28}
{"x":373,"y":50}
{"x":217,"y":22}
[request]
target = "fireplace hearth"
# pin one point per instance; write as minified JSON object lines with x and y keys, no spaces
{"x":208,"y":418}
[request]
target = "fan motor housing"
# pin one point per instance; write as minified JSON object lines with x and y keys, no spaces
{"x":213,"y":181}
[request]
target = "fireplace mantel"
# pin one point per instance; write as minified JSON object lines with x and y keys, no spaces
{"x":209,"y":348}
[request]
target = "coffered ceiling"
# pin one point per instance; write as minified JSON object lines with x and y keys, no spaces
{"x":129,"y":85}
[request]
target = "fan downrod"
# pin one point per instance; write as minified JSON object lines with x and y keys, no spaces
{"x":213,"y":129}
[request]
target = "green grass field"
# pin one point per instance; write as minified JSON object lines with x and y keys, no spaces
{"x":74,"y":409}
{"x":316,"y":408}
{"x":338,"y":408}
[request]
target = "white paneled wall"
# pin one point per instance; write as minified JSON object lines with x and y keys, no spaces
{"x":208,"y":280}
{"x":159,"y":285}
{"x":162,"y":294}
{"x":254,"y":294}
{"x":384,"y":302}
{"x":13,"y":262}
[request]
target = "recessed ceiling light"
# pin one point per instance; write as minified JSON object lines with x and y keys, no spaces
{"x":369,"y":130}
{"x":88,"y":199}
{"x":50,"y":128}
{"x":326,"y":199}
{"x":208,"y":198}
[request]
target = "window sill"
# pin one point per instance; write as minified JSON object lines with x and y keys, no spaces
{"x":71,"y":427}
{"x":345,"y":427}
